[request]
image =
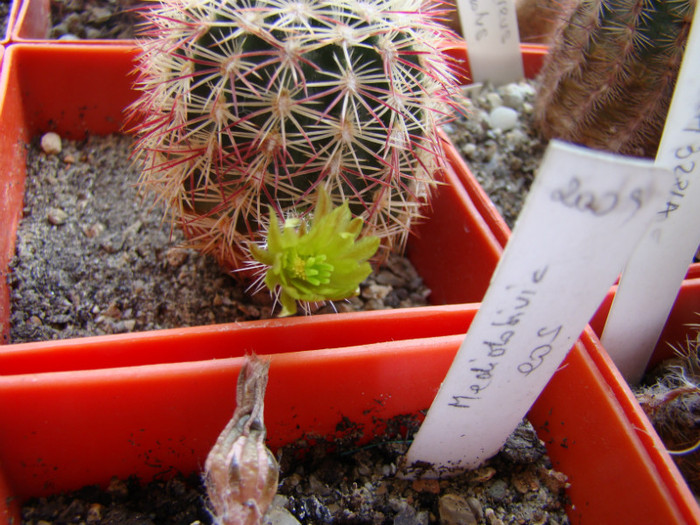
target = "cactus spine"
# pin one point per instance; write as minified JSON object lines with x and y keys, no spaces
{"x":609,"y":77}
{"x":251,"y":104}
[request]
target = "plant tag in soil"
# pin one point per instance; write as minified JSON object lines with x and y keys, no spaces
{"x":490,"y":29}
{"x":653,"y":276}
{"x":583,"y":216}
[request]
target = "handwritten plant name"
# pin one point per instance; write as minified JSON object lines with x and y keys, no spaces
{"x":682,"y":171}
{"x":483,"y":14}
{"x":684,"y":167}
{"x":506,"y":324}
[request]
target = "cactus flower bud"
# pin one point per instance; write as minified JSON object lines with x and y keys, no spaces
{"x":241,"y":473}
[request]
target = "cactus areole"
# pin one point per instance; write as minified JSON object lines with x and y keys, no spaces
{"x":249,"y":106}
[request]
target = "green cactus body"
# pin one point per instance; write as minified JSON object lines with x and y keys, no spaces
{"x":251,"y":105}
{"x":609,"y":76}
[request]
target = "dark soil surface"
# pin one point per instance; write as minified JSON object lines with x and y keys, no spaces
{"x":322,"y":484}
{"x":93,"y":258}
{"x":5,"y":7}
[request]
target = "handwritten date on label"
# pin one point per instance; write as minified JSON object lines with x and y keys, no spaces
{"x":575,"y":196}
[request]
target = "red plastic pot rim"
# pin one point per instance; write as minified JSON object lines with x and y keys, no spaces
{"x":272,"y":336}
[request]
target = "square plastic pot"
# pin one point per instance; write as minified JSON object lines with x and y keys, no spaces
{"x":62,"y":430}
{"x":76,"y":90}
{"x":685,"y":312}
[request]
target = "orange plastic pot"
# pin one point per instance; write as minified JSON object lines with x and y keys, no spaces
{"x":77,"y":89}
{"x":62,"y":430}
{"x":52,"y":393}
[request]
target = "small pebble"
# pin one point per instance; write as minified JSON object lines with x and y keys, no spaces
{"x":494,"y":100}
{"x":94,"y":513}
{"x":176,"y":257}
{"x":426,"y":485}
{"x":277,"y":514}
{"x":99,"y":15}
{"x":498,"y":490}
{"x":454,"y":510}
{"x":503,"y":118}
{"x":51,"y":143}
{"x":56,"y":216}
{"x":512,"y":95}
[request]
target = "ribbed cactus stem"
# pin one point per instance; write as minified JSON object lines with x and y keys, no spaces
{"x":256,"y":104}
{"x":609,"y":77}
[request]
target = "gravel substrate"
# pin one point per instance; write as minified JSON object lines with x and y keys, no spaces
{"x":94,"y":19}
{"x":499,"y":143}
{"x":92,"y":258}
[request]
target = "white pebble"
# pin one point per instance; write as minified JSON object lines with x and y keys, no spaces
{"x":512,"y":96}
{"x":503,"y":118}
{"x":51,"y":143}
{"x":494,"y":100}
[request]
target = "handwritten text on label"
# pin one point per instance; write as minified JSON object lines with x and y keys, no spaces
{"x":578,"y":198}
{"x":687,"y":157}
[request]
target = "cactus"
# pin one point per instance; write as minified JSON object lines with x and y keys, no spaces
{"x":251,"y":109}
{"x":670,"y":397}
{"x":609,"y":77}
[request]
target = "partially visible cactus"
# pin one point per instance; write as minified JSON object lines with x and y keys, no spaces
{"x":255,"y":105}
{"x":609,"y":77}
{"x":538,"y":19}
{"x":670,"y":397}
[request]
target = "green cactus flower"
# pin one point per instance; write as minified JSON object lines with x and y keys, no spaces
{"x":314,"y":260}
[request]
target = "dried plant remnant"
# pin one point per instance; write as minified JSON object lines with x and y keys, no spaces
{"x":241,"y":473}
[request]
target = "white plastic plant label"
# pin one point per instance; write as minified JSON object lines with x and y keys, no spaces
{"x":490,"y":29}
{"x":652,"y":278}
{"x":582,"y":218}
